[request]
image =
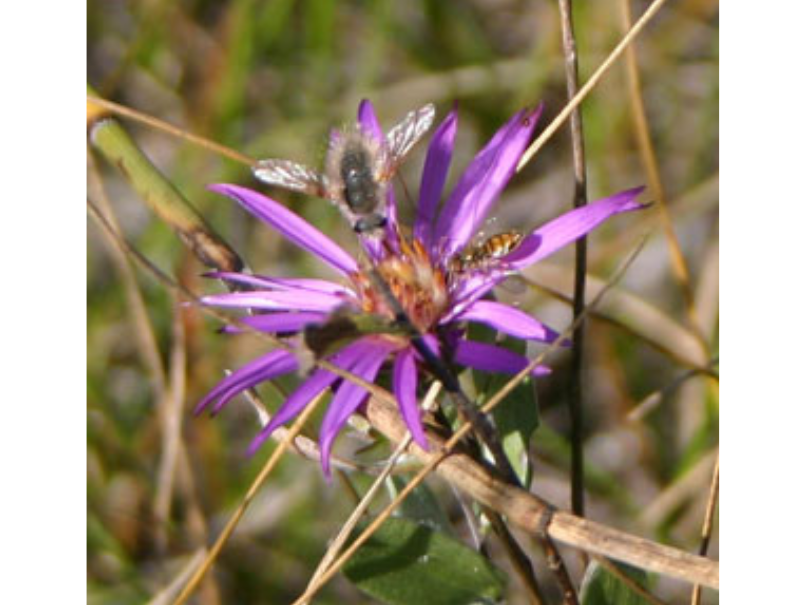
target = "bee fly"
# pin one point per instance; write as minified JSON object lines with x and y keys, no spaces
{"x":487,"y":252}
{"x":358,"y":169}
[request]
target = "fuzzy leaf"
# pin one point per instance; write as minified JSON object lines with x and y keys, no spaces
{"x":421,"y":505}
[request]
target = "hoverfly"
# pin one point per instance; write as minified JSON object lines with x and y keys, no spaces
{"x":487,"y":252}
{"x":358,"y":169}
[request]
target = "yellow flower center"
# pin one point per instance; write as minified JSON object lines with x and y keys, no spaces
{"x":419,"y":287}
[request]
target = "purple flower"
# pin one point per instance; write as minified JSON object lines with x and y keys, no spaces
{"x":439,"y":279}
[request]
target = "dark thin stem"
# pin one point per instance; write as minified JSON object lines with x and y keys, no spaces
{"x":580,"y":267}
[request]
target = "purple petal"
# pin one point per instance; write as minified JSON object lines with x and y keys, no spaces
{"x":435,"y":172}
{"x":349,"y":396}
{"x":277,"y":322}
{"x":276,"y":301}
{"x":489,"y":358}
{"x":569,"y":227}
{"x":280,"y":283}
{"x":473,"y":287}
{"x":508,"y":320}
{"x":293,"y":227}
{"x":405,"y":386}
{"x":482,"y":182}
{"x":369,"y":121}
{"x":302,"y":396}
{"x":266,"y":367}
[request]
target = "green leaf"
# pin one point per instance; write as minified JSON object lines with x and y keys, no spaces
{"x":406,"y":563}
{"x":516,"y":417}
{"x":421,"y":505}
{"x":600,"y":587}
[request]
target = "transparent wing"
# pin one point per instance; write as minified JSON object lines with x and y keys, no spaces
{"x":290,"y":175}
{"x":402,"y":137}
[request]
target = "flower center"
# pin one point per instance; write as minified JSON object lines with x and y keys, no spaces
{"x":419,"y":287}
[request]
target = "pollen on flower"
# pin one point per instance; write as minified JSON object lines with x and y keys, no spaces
{"x":418,"y":285}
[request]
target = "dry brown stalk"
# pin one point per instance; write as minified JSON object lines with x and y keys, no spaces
{"x":650,"y":161}
{"x":526,"y":511}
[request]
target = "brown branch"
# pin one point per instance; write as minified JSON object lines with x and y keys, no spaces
{"x":526,"y":510}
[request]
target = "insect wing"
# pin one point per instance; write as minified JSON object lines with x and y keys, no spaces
{"x":404,"y":135}
{"x":290,"y":175}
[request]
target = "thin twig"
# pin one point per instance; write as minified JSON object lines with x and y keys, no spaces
{"x":654,"y":399}
{"x":175,"y":131}
{"x":164,"y":596}
{"x":305,"y":446}
{"x":521,"y":563}
{"x":592,"y":81}
{"x":707,"y":525}
{"x":172,"y":419}
{"x":630,"y":313}
{"x":264,"y":473}
{"x":575,"y":407}
{"x":650,"y":161}
{"x":682,"y":489}
{"x":355,"y":516}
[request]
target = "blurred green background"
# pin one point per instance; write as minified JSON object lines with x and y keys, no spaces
{"x":270,"y":79}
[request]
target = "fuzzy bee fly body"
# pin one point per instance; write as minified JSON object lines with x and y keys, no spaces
{"x":356,"y":181}
{"x":358,"y":168}
{"x":360,"y":189}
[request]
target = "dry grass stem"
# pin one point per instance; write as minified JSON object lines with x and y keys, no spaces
{"x":171,"y":420}
{"x":707,"y":524}
{"x":302,"y":445}
{"x":520,"y":561}
{"x":258,"y":482}
{"x":650,"y":161}
{"x":95,"y":103}
{"x":629,"y":312}
{"x":363,"y":505}
{"x":591,"y":83}
{"x":684,"y":488}
{"x":167,"y":594}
